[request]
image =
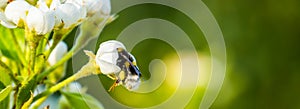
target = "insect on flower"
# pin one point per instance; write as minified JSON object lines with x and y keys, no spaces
{"x":129,"y":76}
{"x":118,"y":64}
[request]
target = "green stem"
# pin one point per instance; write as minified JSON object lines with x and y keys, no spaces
{"x":33,"y":41}
{"x":69,"y":55}
{"x":57,"y":37}
{"x":38,"y":103}
{"x":32,"y":46}
{"x":59,"y":63}
{"x":43,"y":43}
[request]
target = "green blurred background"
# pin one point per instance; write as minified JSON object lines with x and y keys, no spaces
{"x":262,"y":41}
{"x":261,"y":38}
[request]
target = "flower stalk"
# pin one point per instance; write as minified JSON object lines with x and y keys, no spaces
{"x":59,"y":63}
{"x":57,"y":37}
{"x":33,"y":42}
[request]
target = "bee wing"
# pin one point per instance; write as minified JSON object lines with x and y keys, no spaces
{"x":132,"y":64}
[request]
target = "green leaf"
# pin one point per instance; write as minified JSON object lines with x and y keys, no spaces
{"x":24,"y":92}
{"x":2,"y":86}
{"x":4,"y":104}
{"x":63,"y":103}
{"x":5,"y":92}
{"x":20,"y":36}
{"x":27,"y":103}
{"x":82,"y":101}
{"x":5,"y":79}
{"x":6,"y":45}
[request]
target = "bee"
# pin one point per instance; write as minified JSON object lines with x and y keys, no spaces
{"x":130,"y":75}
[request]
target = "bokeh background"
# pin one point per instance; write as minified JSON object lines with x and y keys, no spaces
{"x":262,"y":43}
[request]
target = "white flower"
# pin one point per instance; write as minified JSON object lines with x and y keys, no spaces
{"x":40,"y":21}
{"x":16,"y":11}
{"x":98,"y":14}
{"x":80,"y":7}
{"x":58,"y":52}
{"x":94,"y":6}
{"x":107,"y":55}
{"x":68,"y":14}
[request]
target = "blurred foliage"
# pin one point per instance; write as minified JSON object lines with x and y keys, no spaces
{"x":262,"y":42}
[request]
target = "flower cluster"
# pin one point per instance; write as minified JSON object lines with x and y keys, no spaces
{"x":42,"y":18}
{"x":39,"y":58}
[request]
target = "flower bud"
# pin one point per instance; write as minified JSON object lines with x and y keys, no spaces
{"x":58,"y":52}
{"x":16,"y":11}
{"x":94,"y":6}
{"x":39,"y":21}
{"x":68,"y":15}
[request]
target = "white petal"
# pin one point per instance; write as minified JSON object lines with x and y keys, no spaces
{"x":80,"y":7}
{"x":107,"y":56}
{"x":107,"y":68}
{"x":16,"y":10}
{"x":5,"y":22}
{"x":109,"y":46}
{"x":58,"y":52}
{"x":68,"y":14}
{"x":78,"y":3}
{"x":94,"y":6}
{"x":110,"y":57}
{"x":106,"y":8}
{"x":41,"y":4}
{"x":54,"y":4}
{"x":39,"y":21}
{"x":35,"y":20}
{"x":50,"y":22}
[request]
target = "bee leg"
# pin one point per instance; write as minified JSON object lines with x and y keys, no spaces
{"x":113,"y":86}
{"x":113,"y":77}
